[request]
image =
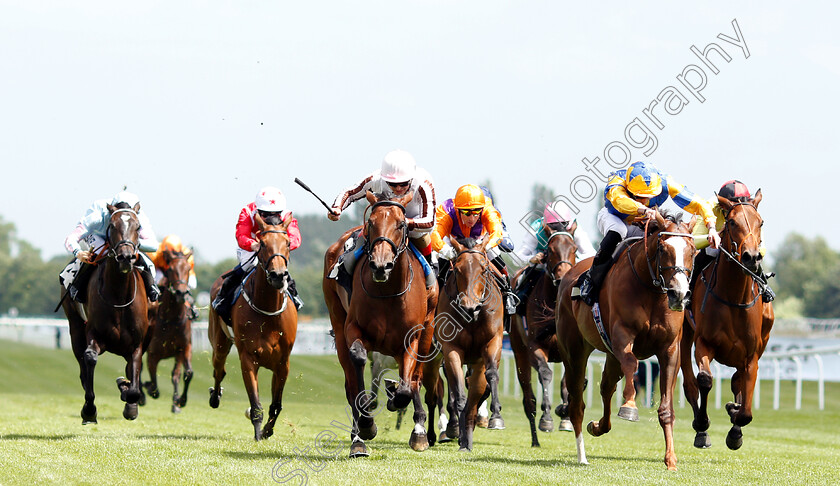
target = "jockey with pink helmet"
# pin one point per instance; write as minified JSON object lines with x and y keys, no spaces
{"x":557,"y":217}
{"x":270,"y":203}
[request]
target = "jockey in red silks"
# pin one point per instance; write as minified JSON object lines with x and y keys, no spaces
{"x":270,"y":203}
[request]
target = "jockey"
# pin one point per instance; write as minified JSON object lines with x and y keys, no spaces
{"x":398,"y":176}
{"x":629,"y":197}
{"x":271,"y":205}
{"x":735,"y":191}
{"x":172,"y":244}
{"x":557,"y":217}
{"x":469,"y":215}
{"x":91,"y":230}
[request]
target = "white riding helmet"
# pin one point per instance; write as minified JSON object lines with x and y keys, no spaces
{"x":558,"y":212}
{"x":398,"y":166}
{"x":270,"y":199}
{"x":125,"y":197}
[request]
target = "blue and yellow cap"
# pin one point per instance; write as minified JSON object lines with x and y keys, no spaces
{"x":642,"y":180}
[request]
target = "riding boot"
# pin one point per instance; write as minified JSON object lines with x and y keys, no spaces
{"x":78,"y":288}
{"x":526,"y":283}
{"x":701,"y":261}
{"x":767,"y":294}
{"x":443,"y":270}
{"x":152,"y":290}
{"x":294,"y":294}
{"x":511,"y":300}
{"x":224,"y":299}
{"x":189,"y":302}
{"x":430,"y":279}
{"x":591,"y":280}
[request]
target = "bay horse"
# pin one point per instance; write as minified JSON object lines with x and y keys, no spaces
{"x":536,"y":345}
{"x":390,"y":311}
{"x":115,"y":318}
{"x":264,"y":325}
{"x":733,"y":326}
{"x":469,"y":328}
{"x":641,"y":307}
{"x":171,"y":329}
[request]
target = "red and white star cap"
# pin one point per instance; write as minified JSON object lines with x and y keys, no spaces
{"x":270,"y":199}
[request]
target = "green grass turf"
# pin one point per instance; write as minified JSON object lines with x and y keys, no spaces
{"x":42,"y":440}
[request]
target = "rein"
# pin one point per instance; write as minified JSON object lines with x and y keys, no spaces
{"x":398,"y":249}
{"x":264,"y":266}
{"x":553,"y":269}
{"x":658,"y":281}
{"x":485,"y":269}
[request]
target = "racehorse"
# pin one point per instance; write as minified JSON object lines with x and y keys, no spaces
{"x":536,"y":346}
{"x":732,"y":326}
{"x":641,"y":307}
{"x":469,"y":328}
{"x":264,"y":325}
{"x":115,"y":318}
{"x":390,"y":311}
{"x":171,"y":329}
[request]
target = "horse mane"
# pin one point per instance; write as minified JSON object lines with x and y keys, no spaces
{"x":468,"y":243}
{"x":273,"y":219}
{"x":557,"y":226}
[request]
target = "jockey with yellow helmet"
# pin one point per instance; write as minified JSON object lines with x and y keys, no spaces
{"x":469,"y":215}
{"x":629,"y":197}
{"x":170,"y":246}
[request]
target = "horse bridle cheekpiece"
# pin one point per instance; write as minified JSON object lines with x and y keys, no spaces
{"x":554,"y":267}
{"x":735,"y":254}
{"x":402,"y":226}
{"x":656,"y":277}
{"x":485,"y":272}
{"x":271,"y":257}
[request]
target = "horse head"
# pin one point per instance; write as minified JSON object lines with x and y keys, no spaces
{"x":560,"y":251}
{"x":122,"y":235}
{"x":670,"y":255}
{"x":741,"y":236}
{"x":386,"y":232}
{"x":273,"y":254}
{"x":471,"y":271}
{"x":177,"y":274}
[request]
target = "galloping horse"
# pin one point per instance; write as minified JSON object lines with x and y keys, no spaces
{"x":171,"y":329}
{"x":641,"y":307}
{"x":536,"y":346}
{"x":264,"y":325}
{"x":390,"y":311}
{"x":732,"y":326}
{"x":115,"y":316}
{"x":469,"y":327}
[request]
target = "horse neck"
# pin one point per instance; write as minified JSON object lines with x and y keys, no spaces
{"x":117,"y":283}
{"x":264,"y":295}
{"x":730,"y":280}
{"x":170,"y":309}
{"x":640,"y":260}
{"x":399,"y":277}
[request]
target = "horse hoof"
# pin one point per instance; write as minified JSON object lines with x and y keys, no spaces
{"x":482,"y":422}
{"x":367,"y":432}
{"x":214,"y":398}
{"x":496,"y":424}
{"x":702,"y":440}
{"x":565,"y":426}
{"x":89,"y":414}
{"x":358,"y":449}
{"x":562,"y":410}
{"x":182,"y":402}
{"x":176,"y":408}
{"x":546,"y":424}
{"x":142,"y":401}
{"x":130,"y":411}
{"x":444,"y":438}
{"x":266,"y":433}
{"x":418,"y":442}
{"x":628,"y":413}
{"x":590,"y":427}
{"x":464,"y":449}
{"x":452,"y":430}
{"x":734,"y":439}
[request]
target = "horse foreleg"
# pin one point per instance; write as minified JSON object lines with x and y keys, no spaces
{"x":669,"y":366}
{"x":545,"y":375}
{"x":523,"y":374}
{"x":609,"y":379}
{"x":87,"y":365}
{"x":491,"y":375}
{"x":278,"y":383}
{"x":130,"y":390}
{"x":151,"y":386}
{"x":458,"y":398}
{"x":431,"y":382}
{"x":188,"y":374}
{"x":629,"y":365}
{"x":176,"y":379}
{"x":477,"y":388}
{"x":252,"y":388}
{"x":740,"y":412}
{"x":361,"y":400}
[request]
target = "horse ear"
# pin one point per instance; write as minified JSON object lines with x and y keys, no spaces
{"x":137,"y":208}
{"x":259,"y":221}
{"x":406,"y":199}
{"x":287,"y":220}
{"x":726,"y":204}
{"x":757,"y":199}
{"x":371,"y":198}
{"x":457,"y":245}
{"x":485,"y":240}
{"x":660,"y":221}
{"x":692,"y":223}
{"x":111,"y":208}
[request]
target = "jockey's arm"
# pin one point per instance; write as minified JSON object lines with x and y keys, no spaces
{"x":294,"y":233}
{"x":244,"y":229}
{"x":620,"y":199}
{"x":493,"y":226}
{"x":585,"y":249}
{"x":424,"y":197}
{"x":443,"y":228}
{"x":146,"y":235}
{"x":351,"y":195}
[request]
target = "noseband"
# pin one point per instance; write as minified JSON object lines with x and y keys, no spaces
{"x":265,"y":264}
{"x":485,"y":269}
{"x":401,"y":226}
{"x":659,"y":284}
{"x":554,"y":267}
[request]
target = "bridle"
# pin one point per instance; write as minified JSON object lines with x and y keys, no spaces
{"x":485,"y":274}
{"x":659,"y":284}
{"x":553,"y":268}
{"x":402,"y":226}
{"x":264,"y":264}
{"x":170,"y":282}
{"x":112,"y":252}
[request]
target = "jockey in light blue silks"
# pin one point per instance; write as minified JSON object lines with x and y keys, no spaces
{"x":90,"y":233}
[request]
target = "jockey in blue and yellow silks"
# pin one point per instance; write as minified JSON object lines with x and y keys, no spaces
{"x":629,"y":197}
{"x":469,"y":215}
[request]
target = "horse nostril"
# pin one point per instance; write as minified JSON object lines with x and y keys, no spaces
{"x":389,"y":266}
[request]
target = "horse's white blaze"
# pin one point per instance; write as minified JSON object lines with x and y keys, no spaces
{"x":580,"y":449}
{"x":679,"y":245}
{"x":126,"y":218}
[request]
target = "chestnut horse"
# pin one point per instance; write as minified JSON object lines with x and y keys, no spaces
{"x":171,"y":329}
{"x":641,"y":306}
{"x":264,"y":325}
{"x":469,"y":328}
{"x":732,"y":326}
{"x":536,"y":346}
{"x":390,"y":311}
{"x":115,"y":318}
